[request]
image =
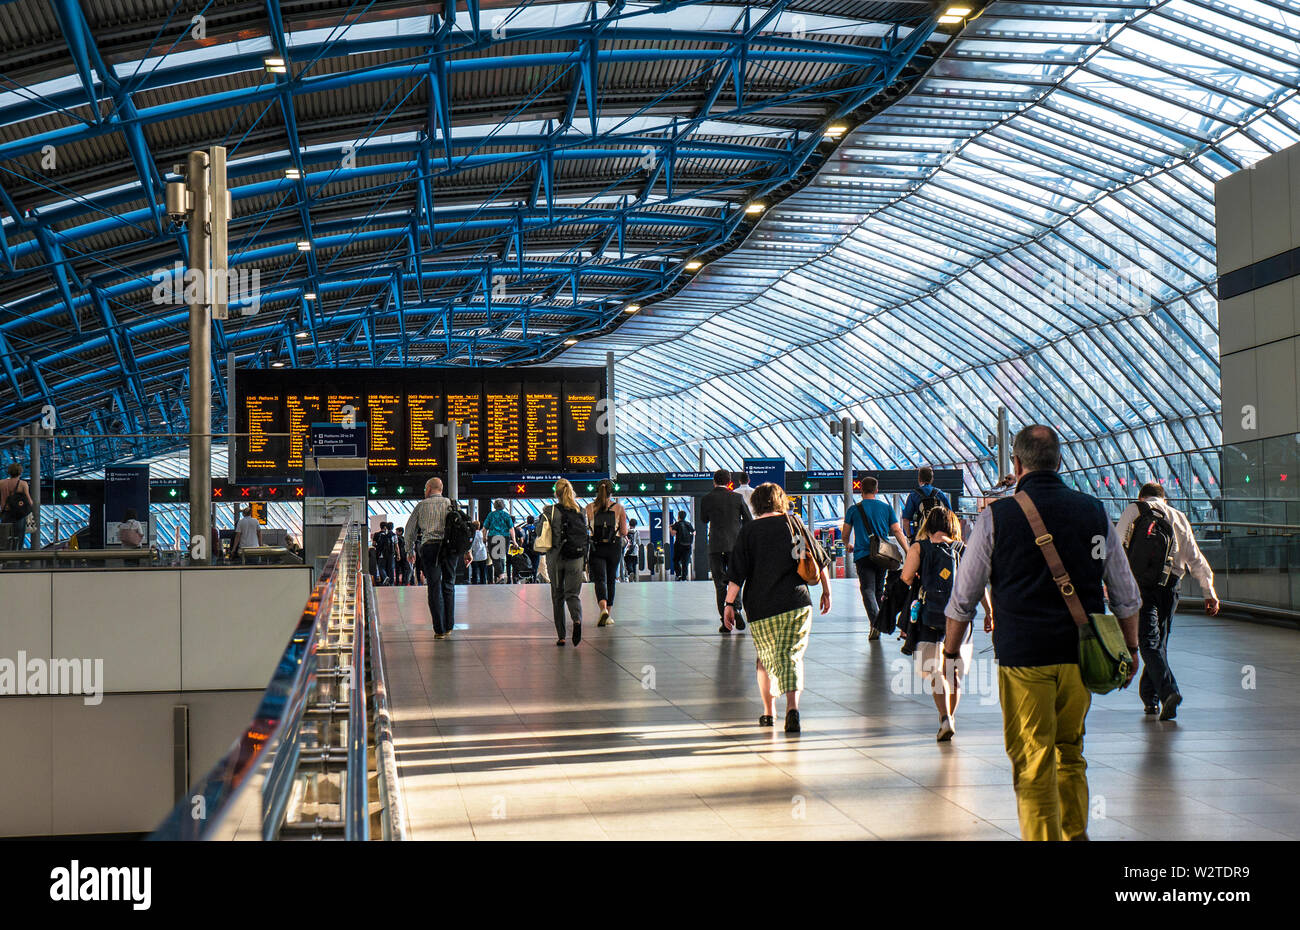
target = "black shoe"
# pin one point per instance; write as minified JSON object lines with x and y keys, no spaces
{"x":740,"y":622}
{"x":873,"y":635}
{"x":766,"y":721}
{"x":1150,"y":708}
{"x":723,"y":629}
{"x":577,"y":633}
{"x":1169,"y":709}
{"x":792,"y":721}
{"x":559,"y":642}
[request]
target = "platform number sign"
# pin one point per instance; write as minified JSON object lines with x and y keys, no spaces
{"x":656,"y":526}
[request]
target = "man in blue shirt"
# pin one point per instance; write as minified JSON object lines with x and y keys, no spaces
{"x":870,"y":517}
{"x":926,"y":492}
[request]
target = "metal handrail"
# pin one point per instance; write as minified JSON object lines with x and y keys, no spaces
{"x":356,"y":808}
{"x":274,"y":726}
{"x":390,"y":787}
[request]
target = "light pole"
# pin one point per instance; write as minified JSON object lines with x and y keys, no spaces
{"x":846,"y":428}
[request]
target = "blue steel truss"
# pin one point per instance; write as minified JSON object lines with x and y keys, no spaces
{"x":482,"y":185}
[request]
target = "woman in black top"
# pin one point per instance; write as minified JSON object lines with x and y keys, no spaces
{"x":776,"y":599}
{"x":608,"y":522}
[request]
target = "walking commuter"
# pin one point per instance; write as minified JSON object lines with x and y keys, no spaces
{"x":130,"y":532}
{"x":608,"y":522}
{"x":1161,"y":549}
{"x":427,"y":526}
{"x":15,"y":504}
{"x":1044,"y":700}
{"x":478,"y":554}
{"x":683,"y":539}
{"x":764,"y":572}
{"x":248,"y":532}
{"x":921,"y":501}
{"x":566,"y":558}
{"x":631,"y":552}
{"x":528,"y":539}
{"x":724,"y":513}
{"x":867,"y":518}
{"x":403,"y":566}
{"x":500,"y":531}
{"x":746,"y":492}
{"x":935,"y":558}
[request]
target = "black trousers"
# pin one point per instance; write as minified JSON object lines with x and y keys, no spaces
{"x":440,"y":574}
{"x":871,"y":582}
{"x":681,"y":562}
{"x":1154,"y":621}
{"x":603,"y":567}
{"x":718,"y":572}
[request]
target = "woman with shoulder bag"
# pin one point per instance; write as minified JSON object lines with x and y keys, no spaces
{"x":934,"y":559}
{"x":766,"y":565}
{"x":15,"y":505}
{"x":566,"y":557}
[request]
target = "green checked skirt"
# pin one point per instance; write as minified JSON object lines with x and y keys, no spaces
{"x":781,"y":641}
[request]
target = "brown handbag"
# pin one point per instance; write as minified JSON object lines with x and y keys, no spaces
{"x":804,"y":550}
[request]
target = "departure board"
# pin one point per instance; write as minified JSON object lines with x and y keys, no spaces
{"x":386,"y":419}
{"x":301,"y":411}
{"x":424,"y":411}
{"x":467,"y":408}
{"x":261,"y":416}
{"x":503,"y":424}
{"x":583,"y":438}
{"x":518,"y":418}
{"x":541,"y":404}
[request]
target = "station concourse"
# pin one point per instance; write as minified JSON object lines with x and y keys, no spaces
{"x":342,"y":345}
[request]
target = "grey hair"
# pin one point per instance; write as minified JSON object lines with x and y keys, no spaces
{"x":1038,"y":448}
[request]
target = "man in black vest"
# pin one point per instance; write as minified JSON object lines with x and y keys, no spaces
{"x":723,"y":512}
{"x":1044,"y":700}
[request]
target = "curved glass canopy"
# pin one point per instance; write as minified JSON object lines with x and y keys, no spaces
{"x":1031,"y":226}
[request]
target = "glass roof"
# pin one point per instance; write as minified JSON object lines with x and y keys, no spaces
{"x":1031,"y":226}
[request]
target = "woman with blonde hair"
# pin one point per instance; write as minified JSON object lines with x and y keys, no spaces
{"x":609,"y":527}
{"x":765,"y":565}
{"x":566,"y":558}
{"x":934,"y":558}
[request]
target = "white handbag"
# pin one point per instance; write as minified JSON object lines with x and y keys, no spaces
{"x":544,"y":543}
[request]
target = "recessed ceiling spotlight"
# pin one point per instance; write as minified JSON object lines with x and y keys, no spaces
{"x":310,"y":295}
{"x":304,"y":245}
{"x":631,"y":308}
{"x":570,"y":342}
{"x":755,"y":207}
{"x":694,"y":264}
{"x":277,"y":364}
{"x":274,"y":65}
{"x":292,"y":174}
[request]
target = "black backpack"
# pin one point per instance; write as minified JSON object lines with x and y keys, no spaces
{"x":939,"y":563}
{"x":1150,"y":547}
{"x":685,"y":533}
{"x":605,"y":530}
{"x":574,"y":537}
{"x":16,"y":506}
{"x":928,"y":503}
{"x":456,"y":534}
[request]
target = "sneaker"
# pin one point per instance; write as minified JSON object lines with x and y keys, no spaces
{"x":1169,"y":709}
{"x":604,"y":619}
{"x":946,"y":730}
{"x":740,"y":622}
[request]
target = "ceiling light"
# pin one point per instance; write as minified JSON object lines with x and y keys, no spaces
{"x":631,"y":308}
{"x":954,"y":14}
{"x":755,"y":207}
{"x":310,"y":295}
{"x":274,"y":65}
{"x":292,"y":174}
{"x":570,"y":342}
{"x":277,"y":364}
{"x":302,"y":335}
{"x":694,"y":264}
{"x":837,"y":129}
{"x":304,"y":245}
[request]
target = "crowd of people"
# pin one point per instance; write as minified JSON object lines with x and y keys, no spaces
{"x":1039,"y":562}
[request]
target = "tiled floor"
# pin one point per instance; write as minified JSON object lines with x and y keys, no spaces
{"x":648,"y":730}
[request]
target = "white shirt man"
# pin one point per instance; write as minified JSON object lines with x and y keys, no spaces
{"x":745,"y":491}
{"x":248,"y":532}
{"x":1158,"y":688}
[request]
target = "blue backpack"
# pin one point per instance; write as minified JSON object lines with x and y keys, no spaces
{"x":939,"y":563}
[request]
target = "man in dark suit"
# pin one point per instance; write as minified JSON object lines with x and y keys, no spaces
{"x":723,"y":512}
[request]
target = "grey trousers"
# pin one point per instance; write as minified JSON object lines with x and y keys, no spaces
{"x":566,"y":586}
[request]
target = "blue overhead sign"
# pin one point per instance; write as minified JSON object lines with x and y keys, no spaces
{"x":761,"y":471}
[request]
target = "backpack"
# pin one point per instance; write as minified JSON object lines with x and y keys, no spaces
{"x":16,"y":507}
{"x":685,"y":533}
{"x":456,"y":535}
{"x":924,"y":506}
{"x":1150,"y":547}
{"x":939,"y":563}
{"x":574,"y":537}
{"x":605,"y":530}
